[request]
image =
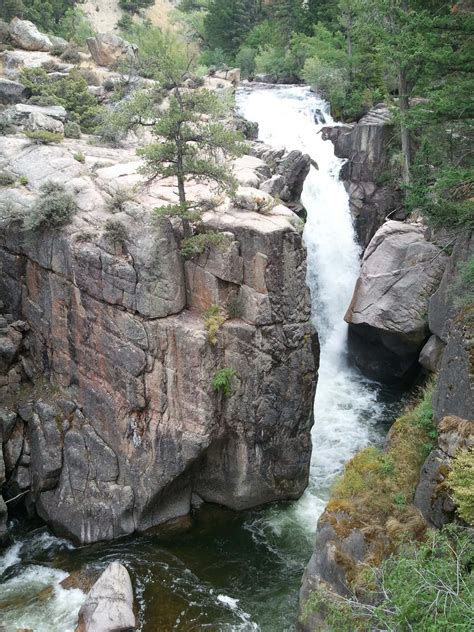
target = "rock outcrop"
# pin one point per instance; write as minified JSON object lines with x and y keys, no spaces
{"x":364,"y":146}
{"x":133,"y":425}
{"x":25,"y":35}
{"x":109,"y":604}
{"x":107,"y":48}
{"x":388,"y":315}
{"x":432,"y":494}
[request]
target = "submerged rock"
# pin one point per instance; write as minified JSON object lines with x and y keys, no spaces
{"x":109,"y":604}
{"x":388,"y":315}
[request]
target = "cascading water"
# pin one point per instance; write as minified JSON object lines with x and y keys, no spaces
{"x":235,"y":572}
{"x":346,"y":405}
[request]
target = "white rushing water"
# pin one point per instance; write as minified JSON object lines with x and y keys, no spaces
{"x":346,"y":406}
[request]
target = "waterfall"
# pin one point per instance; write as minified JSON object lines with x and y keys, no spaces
{"x":346,"y":405}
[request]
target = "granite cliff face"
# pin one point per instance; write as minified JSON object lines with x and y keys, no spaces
{"x":111,"y":422}
{"x":364,"y":146}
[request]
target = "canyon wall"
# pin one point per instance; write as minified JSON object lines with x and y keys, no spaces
{"x":111,"y":422}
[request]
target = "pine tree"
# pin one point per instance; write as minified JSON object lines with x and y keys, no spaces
{"x":228,"y":22}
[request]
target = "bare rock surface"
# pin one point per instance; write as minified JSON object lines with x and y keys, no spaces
{"x":12,"y":91}
{"x":107,"y":48}
{"x":109,"y":604}
{"x":363,"y":146}
{"x":121,"y":329}
{"x":27,"y":36}
{"x":388,"y":315}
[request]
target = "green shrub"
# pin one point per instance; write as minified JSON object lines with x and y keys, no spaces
{"x":134,"y":6}
{"x":222,"y":381}
{"x":125,"y":22}
{"x":197,"y":244}
{"x":54,"y":208}
{"x":23,"y":180}
{"x":115,"y":232}
{"x":425,"y":587}
{"x":72,"y":130}
{"x":57,"y":50}
{"x":464,"y":287}
{"x":91,"y":77}
{"x":71,"y":92}
{"x":71,"y":56}
{"x":42,"y":137}
{"x":245,"y":60}
{"x":461,"y":483}
{"x":213,"y":321}
{"x":119,"y":198}
{"x":79,"y":156}
{"x":6,"y":179}
{"x":234,"y":306}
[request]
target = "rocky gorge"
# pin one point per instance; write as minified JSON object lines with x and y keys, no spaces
{"x":110,"y":339}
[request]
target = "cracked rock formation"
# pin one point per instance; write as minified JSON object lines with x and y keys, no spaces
{"x":388,"y":315}
{"x":112,"y":420}
{"x":364,"y":147}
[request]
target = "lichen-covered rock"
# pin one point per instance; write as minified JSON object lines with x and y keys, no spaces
{"x":388,"y":315}
{"x":109,"y":604}
{"x":26,"y":35}
{"x":451,"y":314}
{"x":12,"y":92}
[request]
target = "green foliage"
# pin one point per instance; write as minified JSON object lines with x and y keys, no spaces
{"x":71,"y":55}
{"x":115,"y":231}
{"x":54,"y":208}
{"x":134,"y":6}
{"x":125,"y":22}
{"x":222,"y":381}
{"x":79,"y":156}
{"x":234,"y":306}
{"x":227,"y":23}
{"x":59,"y":17}
{"x":213,"y":321}
{"x":43,"y":137}
{"x":71,"y":92}
{"x":461,"y":483}
{"x":464,"y":286}
{"x":10,"y":9}
{"x":377,"y":486}
{"x":197,"y":244}
{"x":119,"y":199}
{"x":72,"y":130}
{"x":23,"y":180}
{"x":425,"y":587}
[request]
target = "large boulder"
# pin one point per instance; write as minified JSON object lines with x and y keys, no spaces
{"x":109,"y":604}
{"x":107,"y":48}
{"x":12,"y":92}
{"x":388,"y":315}
{"x":25,"y":35}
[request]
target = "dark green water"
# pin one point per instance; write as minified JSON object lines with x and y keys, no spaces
{"x":206,"y":573}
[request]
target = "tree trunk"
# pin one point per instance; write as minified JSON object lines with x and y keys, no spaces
{"x":187,"y":232}
{"x":404,"y":104}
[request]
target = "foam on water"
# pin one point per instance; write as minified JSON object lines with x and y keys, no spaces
{"x":346,"y":404}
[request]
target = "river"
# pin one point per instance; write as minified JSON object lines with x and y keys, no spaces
{"x":226,"y":571}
